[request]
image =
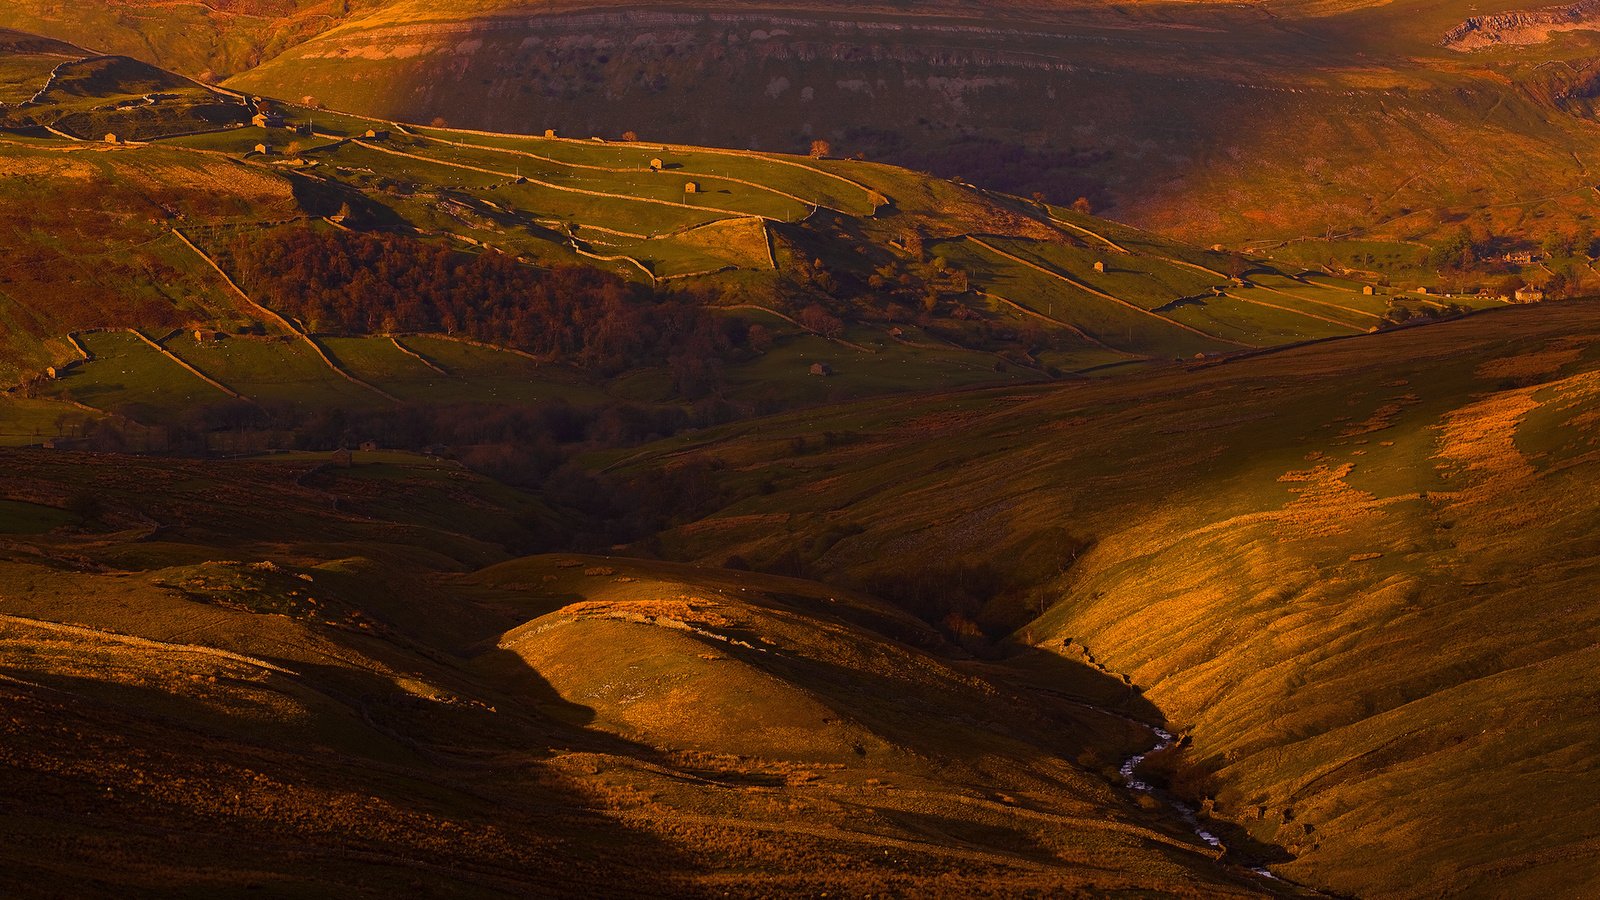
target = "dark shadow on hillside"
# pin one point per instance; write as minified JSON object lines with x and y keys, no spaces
{"x":325,"y":197}
{"x":324,"y":819}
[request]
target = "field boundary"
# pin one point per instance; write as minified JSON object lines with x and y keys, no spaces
{"x":188,"y":367}
{"x":554,"y":187}
{"x":1099,"y":293}
{"x":418,"y":356}
{"x":284,"y":321}
{"x":878,"y":198}
{"x":1054,"y":321}
{"x":1292,"y":310}
{"x":631,"y":170}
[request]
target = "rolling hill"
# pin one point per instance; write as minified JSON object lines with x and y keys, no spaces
{"x":1349,"y":576}
{"x":1210,"y":122}
{"x":730,"y":521}
{"x":384,"y":698}
{"x":1206,"y":121}
{"x":173,"y":289}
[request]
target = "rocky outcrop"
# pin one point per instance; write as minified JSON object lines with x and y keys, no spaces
{"x":1524,"y":27}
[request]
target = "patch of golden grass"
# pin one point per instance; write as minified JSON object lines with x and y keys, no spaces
{"x":1546,"y":361}
{"x":1324,"y":502}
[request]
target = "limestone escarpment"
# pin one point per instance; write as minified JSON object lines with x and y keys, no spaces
{"x":1523,"y":27}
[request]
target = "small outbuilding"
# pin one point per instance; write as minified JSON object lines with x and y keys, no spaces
{"x":822,"y":370}
{"x":111,"y":138}
{"x":342,"y":458}
{"x":51,"y":373}
{"x":691,"y":187}
{"x":1100,"y":267}
{"x":549,"y":132}
{"x":1368,"y":290}
{"x":267,"y":119}
{"x":376,"y":135}
{"x":657,"y":165}
{"x":208,"y":337}
{"x":369,"y":446}
{"x":263,"y":149}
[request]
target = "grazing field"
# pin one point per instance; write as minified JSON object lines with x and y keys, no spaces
{"x":129,"y":374}
{"x":997,"y":287}
{"x":25,"y":422}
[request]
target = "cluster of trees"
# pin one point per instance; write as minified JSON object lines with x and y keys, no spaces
{"x":378,"y":284}
{"x":1467,"y":250}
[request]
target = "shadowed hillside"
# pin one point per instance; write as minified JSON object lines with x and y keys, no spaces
{"x":1351,"y":583}
{"x":1213,"y":122}
{"x":375,"y":698}
{"x":286,"y":261}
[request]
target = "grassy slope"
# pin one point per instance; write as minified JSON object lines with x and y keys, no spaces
{"x":1315,"y":118}
{"x":374,"y":694}
{"x":110,"y":253}
{"x":1344,"y":571}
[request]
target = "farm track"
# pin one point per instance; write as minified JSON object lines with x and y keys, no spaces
{"x":792,"y":321}
{"x":144,"y":643}
{"x":1094,"y":234}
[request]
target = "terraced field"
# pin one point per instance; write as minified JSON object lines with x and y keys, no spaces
{"x":1084,"y":294}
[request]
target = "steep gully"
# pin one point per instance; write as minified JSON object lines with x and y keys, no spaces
{"x":1138,"y":787}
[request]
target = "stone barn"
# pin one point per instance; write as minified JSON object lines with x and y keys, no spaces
{"x":657,"y":165}
{"x":1100,"y":267}
{"x":111,"y":138}
{"x":1369,"y":290}
{"x":263,"y":149}
{"x":821,"y":369}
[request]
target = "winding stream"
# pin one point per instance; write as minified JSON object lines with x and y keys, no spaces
{"x":1136,"y":786}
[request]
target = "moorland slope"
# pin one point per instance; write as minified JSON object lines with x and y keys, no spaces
{"x":1350,"y":574}
{"x":337,"y":670}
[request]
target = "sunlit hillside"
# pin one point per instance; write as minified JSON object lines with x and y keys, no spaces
{"x":1351,"y":576}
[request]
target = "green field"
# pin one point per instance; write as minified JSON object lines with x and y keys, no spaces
{"x":30,"y":518}
{"x":127,"y":374}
